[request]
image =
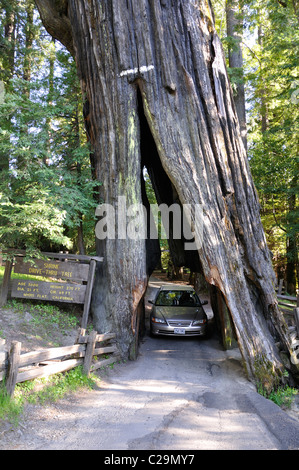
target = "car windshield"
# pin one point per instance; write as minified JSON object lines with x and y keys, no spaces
{"x":177,"y":298}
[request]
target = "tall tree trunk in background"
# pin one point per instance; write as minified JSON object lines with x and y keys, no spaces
{"x":27,"y":71}
{"x":29,"y":35}
{"x":9,"y":35}
{"x":8,"y":62}
{"x":50,"y":97}
{"x":262,"y":88}
{"x":291,"y":244}
{"x":157,"y":94}
{"x":77,"y":167}
{"x":234,"y":25}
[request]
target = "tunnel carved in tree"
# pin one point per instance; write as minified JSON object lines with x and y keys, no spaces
{"x":153,"y":74}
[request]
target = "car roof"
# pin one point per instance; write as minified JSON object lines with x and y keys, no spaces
{"x":176,"y":287}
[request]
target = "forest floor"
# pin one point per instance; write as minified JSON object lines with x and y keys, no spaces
{"x":175,"y":388}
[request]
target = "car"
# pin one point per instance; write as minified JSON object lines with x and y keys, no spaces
{"x":177,"y":310}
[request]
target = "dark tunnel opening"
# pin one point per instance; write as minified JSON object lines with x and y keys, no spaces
{"x":165,"y":193}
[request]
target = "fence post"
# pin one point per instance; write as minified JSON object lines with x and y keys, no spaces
{"x":89,"y":287}
{"x":89,"y":352}
{"x":5,"y":283}
{"x":296,"y":315}
{"x":13,"y":366}
{"x":81,"y":332}
{"x":280,"y":287}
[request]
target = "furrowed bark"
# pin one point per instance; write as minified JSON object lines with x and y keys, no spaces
{"x":156,"y":93}
{"x":234,"y":22}
{"x":54,"y":14}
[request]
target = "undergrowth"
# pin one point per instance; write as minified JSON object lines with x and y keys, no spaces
{"x":42,"y":391}
{"x":45,"y":315}
{"x":282,"y":396}
{"x":10,"y":409}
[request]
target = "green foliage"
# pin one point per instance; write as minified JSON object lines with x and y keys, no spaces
{"x":165,"y":253}
{"x":55,"y":387}
{"x":45,"y":315}
{"x":46,"y":188}
{"x":270,"y":47}
{"x":10,"y":409}
{"x":282,"y":396}
{"x":274,"y":125}
{"x":50,"y":315}
{"x":43,"y":391}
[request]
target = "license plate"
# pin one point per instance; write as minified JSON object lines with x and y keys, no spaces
{"x":179,"y":331}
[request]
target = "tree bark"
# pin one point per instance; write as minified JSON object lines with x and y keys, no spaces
{"x":234,"y":24}
{"x":156,"y":93}
{"x":29,"y":36}
{"x":291,"y":246}
{"x":8,"y":64}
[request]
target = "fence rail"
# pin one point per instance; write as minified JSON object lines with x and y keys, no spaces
{"x":287,"y":303}
{"x":289,"y":306}
{"x":16,"y":367}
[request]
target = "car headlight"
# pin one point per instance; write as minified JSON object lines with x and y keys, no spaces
{"x":158,"y":320}
{"x":199,"y":322}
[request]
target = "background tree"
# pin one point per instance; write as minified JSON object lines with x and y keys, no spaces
{"x":46,"y":186}
{"x":273,"y":117}
{"x":234,"y":26}
{"x":270,"y":50}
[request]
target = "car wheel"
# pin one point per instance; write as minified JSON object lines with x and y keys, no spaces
{"x":152,"y":334}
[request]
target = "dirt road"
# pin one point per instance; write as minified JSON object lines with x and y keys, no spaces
{"x":181,"y":393}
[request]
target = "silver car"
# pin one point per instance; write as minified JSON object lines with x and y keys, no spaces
{"x":177,"y":310}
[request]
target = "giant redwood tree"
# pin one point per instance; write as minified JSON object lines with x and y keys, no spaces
{"x":157,"y":95}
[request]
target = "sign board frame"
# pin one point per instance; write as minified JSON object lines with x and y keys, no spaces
{"x":53,"y":268}
{"x":71,"y":279}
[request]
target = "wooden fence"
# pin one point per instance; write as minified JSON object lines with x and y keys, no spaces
{"x":289,"y":306}
{"x":16,"y":367}
{"x":287,"y":303}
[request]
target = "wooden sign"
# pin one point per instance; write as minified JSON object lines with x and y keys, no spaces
{"x":78,"y":271}
{"x":54,"y":291}
{"x":53,"y":268}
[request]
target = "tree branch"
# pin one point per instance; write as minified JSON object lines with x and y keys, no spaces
{"x":274,"y":215}
{"x":252,"y":52}
{"x":54,"y":15}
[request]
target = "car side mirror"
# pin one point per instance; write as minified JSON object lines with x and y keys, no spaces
{"x":204,"y":302}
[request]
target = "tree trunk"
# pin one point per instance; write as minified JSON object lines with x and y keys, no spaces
{"x":29,"y":36}
{"x":157,"y":94}
{"x":50,"y":97}
{"x":291,"y":245}
{"x":7,"y":66}
{"x":263,"y":89}
{"x":234,"y":24}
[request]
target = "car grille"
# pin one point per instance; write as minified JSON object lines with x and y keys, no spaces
{"x":178,"y":323}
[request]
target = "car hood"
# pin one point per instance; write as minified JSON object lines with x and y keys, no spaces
{"x":178,"y":313}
